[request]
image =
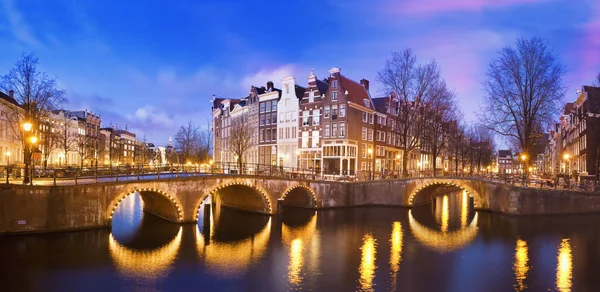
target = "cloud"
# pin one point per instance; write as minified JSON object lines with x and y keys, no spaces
{"x":429,"y":7}
{"x":261,"y":77}
{"x":150,"y":118}
{"x":18,"y":26}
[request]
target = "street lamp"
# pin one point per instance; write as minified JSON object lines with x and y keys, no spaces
{"x":370,"y":152}
{"x":7,"y":165}
{"x":524,"y":159}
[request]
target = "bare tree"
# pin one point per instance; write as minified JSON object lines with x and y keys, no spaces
{"x":84,"y":146}
{"x":413,"y":85}
{"x":240,"y":139}
{"x":597,"y":82}
{"x":524,"y":88}
{"x":65,"y":140}
{"x":440,"y":110}
{"x":187,"y":141}
{"x":37,"y":93}
{"x":48,"y":140}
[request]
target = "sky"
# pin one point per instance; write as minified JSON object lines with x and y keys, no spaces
{"x":152,"y":66}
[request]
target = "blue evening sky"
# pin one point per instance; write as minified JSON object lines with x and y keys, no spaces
{"x":154,"y":65}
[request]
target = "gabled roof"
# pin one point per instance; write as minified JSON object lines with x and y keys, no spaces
{"x":381,"y":104}
{"x":9,"y":99}
{"x":299,"y":91}
{"x":322,"y":86}
{"x":356,"y":92}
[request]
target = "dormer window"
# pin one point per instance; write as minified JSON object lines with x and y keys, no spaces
{"x":366,"y":102}
{"x":287,"y":88}
{"x":334,"y":83}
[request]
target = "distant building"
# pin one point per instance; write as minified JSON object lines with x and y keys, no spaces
{"x":505,"y":162}
{"x":11,"y":145}
{"x":287,"y":122}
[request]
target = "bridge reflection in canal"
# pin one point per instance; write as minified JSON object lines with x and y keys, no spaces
{"x":361,"y":249}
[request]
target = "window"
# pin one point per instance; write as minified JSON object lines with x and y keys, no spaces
{"x":287,"y":132}
{"x":342,"y":110}
{"x":287,"y":88}
{"x":294,"y":132}
{"x":364,"y":117}
{"x":262,"y":107}
{"x":326,"y":131}
{"x":316,"y":117}
{"x":305,"y":118}
{"x":311,"y":96}
{"x":280,"y":133}
{"x":334,"y":130}
{"x":326,"y":113}
{"x":364,"y":133}
{"x":274,"y":106}
{"x":334,"y":95}
{"x":305,"y":139}
{"x":363,"y":166}
{"x":334,"y":84}
{"x":334,"y":112}
{"x":274,"y":118}
{"x":370,"y":134}
{"x":262,"y":135}
{"x":268,"y":119}
{"x":342,"y":129}
{"x":364,"y":151}
{"x":274,"y":134}
{"x":370,"y":118}
{"x":315,"y":138}
{"x":262,"y":120}
{"x":377,"y":152}
{"x":382,"y":136}
{"x":268,"y":135}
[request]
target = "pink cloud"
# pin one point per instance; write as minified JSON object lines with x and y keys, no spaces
{"x":437,"y":6}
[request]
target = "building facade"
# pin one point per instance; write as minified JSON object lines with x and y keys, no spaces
{"x":288,"y":108}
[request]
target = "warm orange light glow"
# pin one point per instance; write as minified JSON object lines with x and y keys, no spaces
{"x":33,"y":139}
{"x":395,"y":252}
{"x":397,"y":156}
{"x":523,"y":157}
{"x":445,"y":214}
{"x":7,"y":153}
{"x":566,"y":156}
{"x":370,"y":151}
{"x":27,"y":126}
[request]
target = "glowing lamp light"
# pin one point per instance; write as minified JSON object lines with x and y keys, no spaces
{"x":8,"y":153}
{"x":566,"y":156}
{"x":523,"y":157}
{"x":27,"y":126}
{"x":33,"y":139}
{"x":370,"y":150}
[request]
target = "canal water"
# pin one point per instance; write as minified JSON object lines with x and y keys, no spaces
{"x":442,"y":246}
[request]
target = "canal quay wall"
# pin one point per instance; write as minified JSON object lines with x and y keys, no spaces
{"x":26,"y":209}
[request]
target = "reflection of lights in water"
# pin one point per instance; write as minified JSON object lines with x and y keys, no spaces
{"x":233,"y":257}
{"x":367,"y":262}
{"x":295,"y":238}
{"x":296,"y":263}
{"x":521,"y":266}
{"x":445,"y":213}
{"x":141,"y":263}
{"x":464,"y":209}
{"x":395,"y":251}
{"x":443,"y":241}
{"x":564,"y":269}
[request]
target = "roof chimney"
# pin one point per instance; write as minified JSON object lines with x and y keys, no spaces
{"x":11,"y":93}
{"x":269,"y":86}
{"x":365,"y":83}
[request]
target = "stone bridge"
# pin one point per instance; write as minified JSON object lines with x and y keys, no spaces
{"x":50,"y":208}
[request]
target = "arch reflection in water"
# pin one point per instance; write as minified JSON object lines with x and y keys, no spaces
{"x":395,"y":252}
{"x":367,"y":263}
{"x":564,"y":268}
{"x":144,"y":263}
{"x":443,"y":241}
{"x":521,"y":265}
{"x":230,"y":256}
{"x":297,"y":239}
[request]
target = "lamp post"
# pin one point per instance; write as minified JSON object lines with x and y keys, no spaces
{"x":566,"y":157}
{"x":7,"y":165}
{"x":32,"y":140}
{"x":370,"y":152}
{"x":523,"y":160}
{"x":27,"y":126}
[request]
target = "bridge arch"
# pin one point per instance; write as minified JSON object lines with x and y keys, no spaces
{"x":299,"y":196}
{"x":156,"y":202}
{"x":432,"y":185}
{"x":259,"y":202}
